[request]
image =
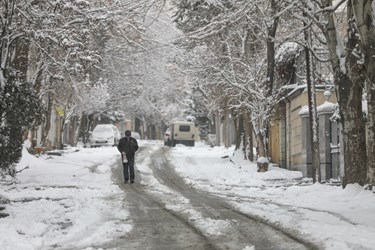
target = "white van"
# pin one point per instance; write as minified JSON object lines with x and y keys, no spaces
{"x":181,"y":132}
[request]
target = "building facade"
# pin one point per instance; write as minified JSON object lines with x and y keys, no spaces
{"x":290,"y":133}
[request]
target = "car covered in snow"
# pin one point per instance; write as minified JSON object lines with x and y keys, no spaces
{"x":105,"y":135}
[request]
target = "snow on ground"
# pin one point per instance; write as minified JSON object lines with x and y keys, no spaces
{"x":63,"y":201}
{"x":72,"y":200}
{"x":340,"y":218}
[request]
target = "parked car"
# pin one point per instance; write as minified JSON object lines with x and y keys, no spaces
{"x":105,"y":135}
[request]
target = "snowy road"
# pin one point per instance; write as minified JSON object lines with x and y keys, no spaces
{"x":169,"y":214}
{"x":183,"y":198}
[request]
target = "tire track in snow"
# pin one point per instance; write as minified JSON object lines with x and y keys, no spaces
{"x":154,"y":226}
{"x":215,"y":207}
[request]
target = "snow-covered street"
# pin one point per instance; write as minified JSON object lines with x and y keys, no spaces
{"x":79,"y":201}
{"x":96,"y":93}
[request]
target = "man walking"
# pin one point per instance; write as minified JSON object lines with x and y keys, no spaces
{"x":127,"y":147}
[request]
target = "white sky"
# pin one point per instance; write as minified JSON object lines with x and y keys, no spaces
{"x":71,"y":200}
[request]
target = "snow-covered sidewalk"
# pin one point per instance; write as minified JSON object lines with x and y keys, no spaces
{"x":337,"y":218}
{"x":66,"y":200}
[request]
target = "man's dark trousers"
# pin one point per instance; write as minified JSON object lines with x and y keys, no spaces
{"x":128,"y":168}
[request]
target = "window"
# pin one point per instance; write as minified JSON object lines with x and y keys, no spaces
{"x":184,"y":128}
{"x":102,"y":129}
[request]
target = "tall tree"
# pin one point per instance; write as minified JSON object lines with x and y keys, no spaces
{"x":364,"y":14}
{"x":349,"y":86}
{"x":61,"y":39}
{"x":350,"y":90}
{"x":148,"y":77}
{"x":239,"y":39}
{"x":314,"y":126}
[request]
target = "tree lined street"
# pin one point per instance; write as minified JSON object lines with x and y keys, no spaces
{"x":182,"y":198}
{"x":212,"y":61}
{"x":275,"y":98}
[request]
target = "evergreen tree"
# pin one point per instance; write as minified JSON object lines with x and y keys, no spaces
{"x":19,"y":108}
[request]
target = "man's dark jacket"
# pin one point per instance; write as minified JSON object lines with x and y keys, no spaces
{"x":128,"y":145}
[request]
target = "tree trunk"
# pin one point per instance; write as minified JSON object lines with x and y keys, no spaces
{"x":248,"y":145}
{"x":355,"y":172}
{"x":261,"y":146}
{"x":86,"y":127}
{"x":313,"y":118}
{"x":239,"y":130}
{"x":77,"y":129}
{"x":271,"y":32}
{"x":217,"y":125}
{"x":366,"y":28}
{"x":226,"y":134}
{"x":62,"y":129}
{"x":262,"y":161}
{"x":262,"y":137}
{"x":47,"y":122}
{"x":371,"y":138}
{"x":349,"y":96}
